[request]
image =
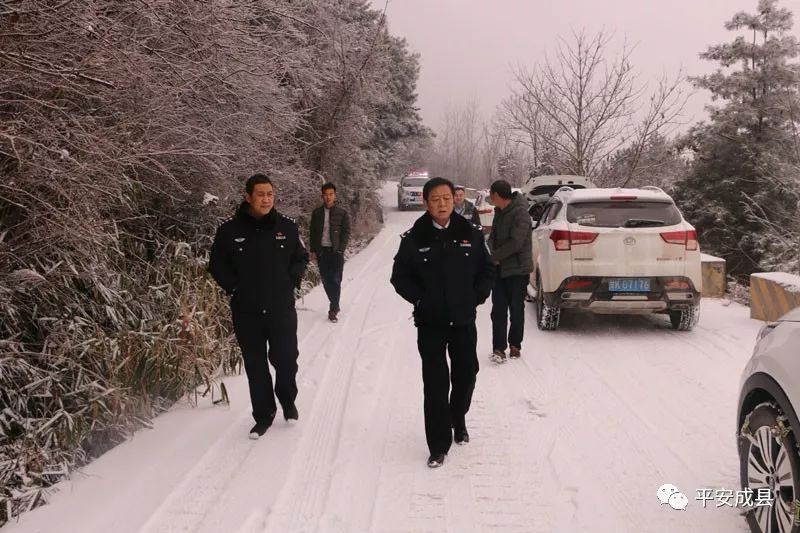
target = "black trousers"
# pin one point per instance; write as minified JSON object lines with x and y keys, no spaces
{"x":508,"y":298}
{"x":331,"y":267}
{"x":255,"y":332}
{"x":443,"y":414}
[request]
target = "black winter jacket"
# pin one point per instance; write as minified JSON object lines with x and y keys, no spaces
{"x":444,"y":273}
{"x":259,"y":261}
{"x":339,"y":226}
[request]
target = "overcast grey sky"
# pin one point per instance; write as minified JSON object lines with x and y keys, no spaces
{"x":469,"y":47}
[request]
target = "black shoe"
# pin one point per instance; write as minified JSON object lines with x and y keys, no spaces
{"x":514,"y":352}
{"x":461,"y":436}
{"x":290,"y":413}
{"x":333,"y":316}
{"x":258,"y":431}
{"x":436,"y":460}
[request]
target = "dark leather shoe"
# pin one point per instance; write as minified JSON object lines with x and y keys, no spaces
{"x":461,"y":436}
{"x":290,"y":413}
{"x":436,"y":460}
{"x":258,"y":431}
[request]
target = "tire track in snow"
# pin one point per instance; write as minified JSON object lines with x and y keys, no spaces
{"x":351,"y":500}
{"x":619,"y":376}
{"x":302,"y":500}
{"x":201,"y":488}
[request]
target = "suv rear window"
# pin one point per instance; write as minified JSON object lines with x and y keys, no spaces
{"x":628,"y":214}
{"x":414,"y":182}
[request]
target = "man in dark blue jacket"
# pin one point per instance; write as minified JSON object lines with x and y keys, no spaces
{"x":443,"y":268}
{"x":259,"y":259}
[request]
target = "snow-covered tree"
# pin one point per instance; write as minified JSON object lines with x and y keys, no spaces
{"x":118,"y":121}
{"x":742,"y":153}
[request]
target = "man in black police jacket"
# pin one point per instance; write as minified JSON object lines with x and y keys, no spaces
{"x":259,"y":259}
{"x":443,"y":268}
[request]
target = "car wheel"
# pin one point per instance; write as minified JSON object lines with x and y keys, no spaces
{"x":769,"y":461}
{"x":547,"y":316}
{"x":685,"y":319}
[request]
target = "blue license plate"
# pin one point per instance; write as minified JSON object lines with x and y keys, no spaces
{"x":629,"y":285}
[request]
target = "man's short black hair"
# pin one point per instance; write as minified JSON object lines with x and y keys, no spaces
{"x":327,"y":186}
{"x":254,"y":180}
{"x":436,"y":182}
{"x":458,"y":188}
{"x":502,"y":188}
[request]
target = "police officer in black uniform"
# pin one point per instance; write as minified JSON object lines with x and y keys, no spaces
{"x":443,"y":268}
{"x":259,"y":259}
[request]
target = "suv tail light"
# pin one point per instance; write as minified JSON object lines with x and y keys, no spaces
{"x":686,"y":238}
{"x":563,"y":240}
{"x":578,"y":284}
{"x":623,"y":197}
{"x":677,"y":284}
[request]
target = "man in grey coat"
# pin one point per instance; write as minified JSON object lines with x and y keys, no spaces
{"x":510,"y":244}
{"x":330,"y":233}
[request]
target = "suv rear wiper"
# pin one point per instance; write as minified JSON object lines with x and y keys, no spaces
{"x":636,"y":222}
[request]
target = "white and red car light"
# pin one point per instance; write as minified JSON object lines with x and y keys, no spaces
{"x":578,"y":284}
{"x":685,"y":238}
{"x":563,"y":240}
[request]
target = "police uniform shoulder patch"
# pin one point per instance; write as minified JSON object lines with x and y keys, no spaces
{"x":405,"y":234}
{"x":476,"y":226}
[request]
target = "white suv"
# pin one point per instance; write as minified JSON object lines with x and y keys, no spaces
{"x":409,"y":190}
{"x":615,"y":251}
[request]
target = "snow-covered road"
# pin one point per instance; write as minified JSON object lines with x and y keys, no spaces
{"x":576,"y":436}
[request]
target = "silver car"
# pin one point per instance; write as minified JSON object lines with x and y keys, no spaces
{"x":409,"y":191}
{"x":767,"y":427}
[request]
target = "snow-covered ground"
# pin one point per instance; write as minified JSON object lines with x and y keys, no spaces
{"x":576,"y":436}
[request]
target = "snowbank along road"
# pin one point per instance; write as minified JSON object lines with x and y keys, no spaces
{"x":578,"y":435}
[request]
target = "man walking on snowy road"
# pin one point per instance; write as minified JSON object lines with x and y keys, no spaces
{"x":330,"y":233}
{"x":259,"y":259}
{"x":443,"y":269}
{"x":510,"y":242}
